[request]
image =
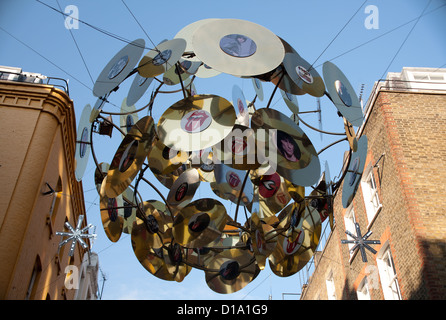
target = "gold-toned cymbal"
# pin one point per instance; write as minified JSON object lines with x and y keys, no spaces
{"x":237,"y":47}
{"x":130,"y":156}
{"x":183,"y":189}
{"x":199,"y":223}
{"x":231,"y":270}
{"x":304,"y":75}
{"x":112,"y":214}
{"x":162,"y":58}
{"x":238,"y":149}
{"x":279,"y":135}
{"x":195,"y":123}
{"x":164,"y":160}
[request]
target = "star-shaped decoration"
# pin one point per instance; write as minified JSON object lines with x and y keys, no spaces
{"x":75,"y":235}
{"x":361,"y":242}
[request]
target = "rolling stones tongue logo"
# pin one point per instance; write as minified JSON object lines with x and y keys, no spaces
{"x":239,"y":146}
{"x":233,"y":179}
{"x":291,"y":247}
{"x":196,"y":121}
{"x":181,"y":191}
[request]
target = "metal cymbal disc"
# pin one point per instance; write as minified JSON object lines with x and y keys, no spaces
{"x":199,"y":223}
{"x":162,"y":58}
{"x":304,"y":75}
{"x":231,"y":270}
{"x":196,"y":122}
{"x":118,"y":68}
{"x":130,"y":156}
{"x":237,"y":47}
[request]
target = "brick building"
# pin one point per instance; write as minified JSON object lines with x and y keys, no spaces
{"x":399,"y":198}
{"x":39,"y":191}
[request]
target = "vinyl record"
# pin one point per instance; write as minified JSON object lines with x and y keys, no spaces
{"x":304,"y":75}
{"x":128,"y":117}
{"x":130,"y":156}
{"x":187,"y":33}
{"x":241,"y":107}
{"x":278,"y":136}
{"x":176,"y":74}
{"x":183,"y":189}
{"x":82,"y":152}
{"x":351,"y":135}
{"x":228,"y":184}
{"x":112,"y":214}
{"x":342,"y":94}
{"x":164,"y":160}
{"x":354,"y":172}
{"x":238,"y":149}
{"x":204,"y":72}
{"x":290,"y":101}
{"x":236,"y":268}
{"x":307,"y":176}
{"x":138,"y":88}
{"x":263,"y":237}
{"x":258,"y":88}
{"x":196,"y":122}
{"x":295,"y":249}
{"x":99,"y":175}
{"x":168,"y":179}
{"x":199,"y":223}
{"x":162,"y":58}
{"x":118,"y":68}
{"x":273,"y":193}
{"x":237,"y":47}
{"x":174,"y":258}
{"x":97,"y":108}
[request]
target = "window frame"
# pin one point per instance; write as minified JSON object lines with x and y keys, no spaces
{"x":370,"y":195}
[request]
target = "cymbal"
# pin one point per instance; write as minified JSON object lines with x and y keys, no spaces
{"x":130,"y":156}
{"x":196,"y":122}
{"x":199,"y":223}
{"x":231,"y":270}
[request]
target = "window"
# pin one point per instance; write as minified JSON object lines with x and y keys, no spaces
{"x":370,"y":194}
{"x":331,"y":294}
{"x":34,"y":281}
{"x":363,"y":292}
{"x":349,"y":220}
{"x":387,"y":273}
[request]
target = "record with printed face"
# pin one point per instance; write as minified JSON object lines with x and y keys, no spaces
{"x":304,"y":75}
{"x":128,"y":117}
{"x":354,"y":172}
{"x":278,"y":136}
{"x":183,"y":189}
{"x":130,"y":156}
{"x":162,"y":58}
{"x":112,"y":214}
{"x":199,"y":223}
{"x":342,"y":94}
{"x":228,"y":184}
{"x":118,"y":68}
{"x":82,"y":152}
{"x":196,"y":122}
{"x":237,"y":47}
{"x":138,"y":88}
{"x":236,"y":268}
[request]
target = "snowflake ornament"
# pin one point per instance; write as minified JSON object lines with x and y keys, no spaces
{"x":361,"y":242}
{"x":76,"y":235}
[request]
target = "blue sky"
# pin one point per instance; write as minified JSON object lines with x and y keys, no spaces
{"x":34,"y":38}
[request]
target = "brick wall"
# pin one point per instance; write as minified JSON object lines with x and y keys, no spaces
{"x":409,"y":128}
